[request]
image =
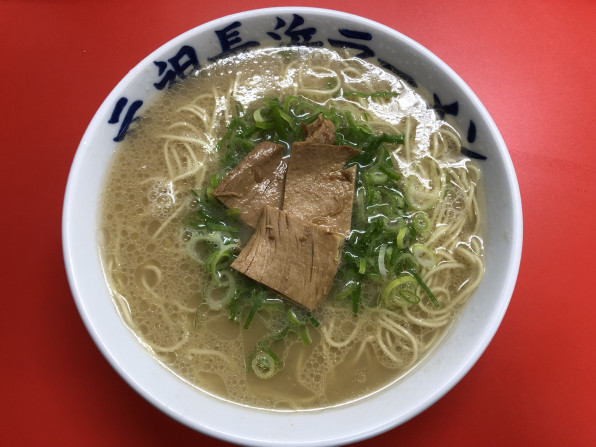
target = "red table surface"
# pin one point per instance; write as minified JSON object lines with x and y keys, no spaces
{"x":532,"y":64}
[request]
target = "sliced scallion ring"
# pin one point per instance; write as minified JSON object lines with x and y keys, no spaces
{"x":201,"y":246}
{"x":393,"y":294}
{"x":409,"y":296}
{"x":394,"y":225}
{"x":219,"y":260}
{"x":402,"y":238}
{"x":378,"y":178}
{"x":404,"y":258}
{"x":424,"y":256}
{"x":264,"y":365}
{"x":219,"y":295}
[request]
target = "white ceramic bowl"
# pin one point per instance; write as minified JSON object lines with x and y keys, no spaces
{"x":367,"y":417}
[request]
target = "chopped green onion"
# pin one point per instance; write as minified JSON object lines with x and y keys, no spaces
{"x":346,"y":291}
{"x":422,"y":284}
{"x":302,"y":332}
{"x":260,"y":121}
{"x":404,"y":259}
{"x":219,"y":295}
{"x":381,"y":261}
{"x":288,"y":102}
{"x":388,"y":223}
{"x":256,"y":305}
{"x":233,"y":305}
{"x":409,"y":296}
{"x":233,"y":211}
{"x":402,"y":238}
{"x":362,"y":268}
{"x":264,"y":365}
{"x":201,"y":246}
{"x":390,"y":173}
{"x":378,"y":178}
{"x":313,"y":320}
{"x":395,"y":225}
{"x":257,"y":115}
{"x":286,"y":118}
{"x":392,"y":293}
{"x":424,"y":256}
{"x":299,"y":317}
{"x":220,"y":259}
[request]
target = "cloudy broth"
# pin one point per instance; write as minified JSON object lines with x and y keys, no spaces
{"x":158,"y":288}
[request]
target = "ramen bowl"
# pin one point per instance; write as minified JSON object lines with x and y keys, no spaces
{"x":387,"y":408}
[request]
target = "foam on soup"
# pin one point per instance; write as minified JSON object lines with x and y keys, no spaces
{"x":160,"y":290}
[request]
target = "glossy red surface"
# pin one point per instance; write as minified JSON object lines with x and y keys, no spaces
{"x":533,"y":66}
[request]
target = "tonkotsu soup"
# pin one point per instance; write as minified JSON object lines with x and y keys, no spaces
{"x":412,"y":258}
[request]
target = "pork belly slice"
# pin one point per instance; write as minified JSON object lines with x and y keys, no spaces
{"x":322,"y":130}
{"x":292,"y":256}
{"x":317,"y":189}
{"x":258,"y":180}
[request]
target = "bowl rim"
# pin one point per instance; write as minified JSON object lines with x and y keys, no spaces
{"x":77,"y":280}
